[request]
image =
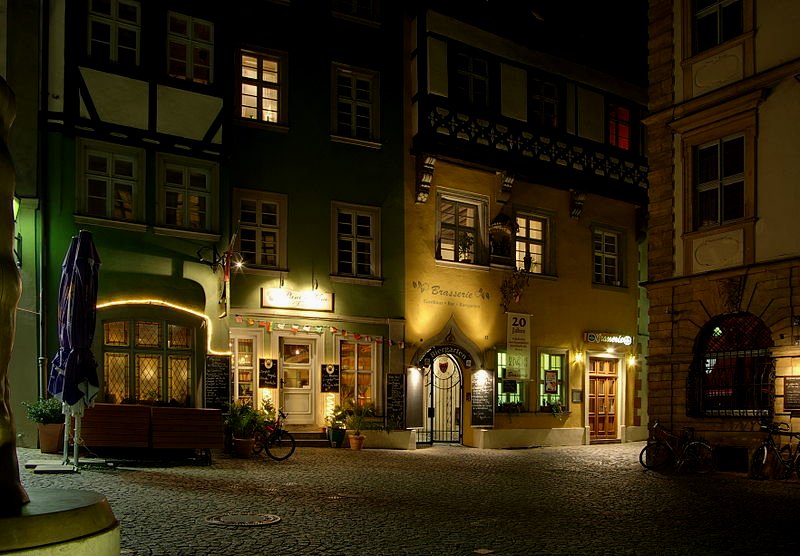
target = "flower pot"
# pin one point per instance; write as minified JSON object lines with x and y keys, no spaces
{"x":336,"y":437}
{"x":243,"y":447}
{"x":356,"y":441}
{"x":51,"y":437}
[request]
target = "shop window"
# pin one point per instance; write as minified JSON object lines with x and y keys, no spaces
{"x":719,"y":181}
{"x":262,"y":228}
{"x":715,"y":21}
{"x":147,"y":361}
{"x":733,"y":371}
{"x":607,"y":258}
{"x":357,"y":362}
{"x":114,"y":29}
{"x":356,"y":106}
{"x":190,"y":48}
{"x":187,"y":190}
{"x":262,"y":87}
{"x":462,"y":228}
{"x":110,"y":182}
{"x":357,"y":241}
{"x":511,"y":394}
{"x":552,"y":381}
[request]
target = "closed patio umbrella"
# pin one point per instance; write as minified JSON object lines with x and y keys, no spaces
{"x":73,"y":372}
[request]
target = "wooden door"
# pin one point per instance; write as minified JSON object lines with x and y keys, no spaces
{"x":603,"y":398}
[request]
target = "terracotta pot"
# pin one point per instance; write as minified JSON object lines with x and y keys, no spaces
{"x":243,"y":447}
{"x":356,"y":441}
{"x":51,"y":437}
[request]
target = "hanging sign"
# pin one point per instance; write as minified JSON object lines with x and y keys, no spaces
{"x":330,"y":379}
{"x":518,"y":346}
{"x":267,"y":373}
{"x":284,"y":298}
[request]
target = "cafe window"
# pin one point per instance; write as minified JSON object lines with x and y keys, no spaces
{"x":357,"y":360}
{"x":552,"y":380}
{"x":147,"y":361}
{"x":511,"y":394}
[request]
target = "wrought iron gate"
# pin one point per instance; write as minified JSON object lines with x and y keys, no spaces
{"x":444,"y":386}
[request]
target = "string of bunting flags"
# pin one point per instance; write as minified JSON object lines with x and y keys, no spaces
{"x":269,"y":326}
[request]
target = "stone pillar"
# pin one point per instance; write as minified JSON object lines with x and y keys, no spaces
{"x":12,"y":493}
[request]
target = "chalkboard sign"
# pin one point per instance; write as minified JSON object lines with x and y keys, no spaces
{"x":330,"y":378}
{"x":482,"y":399}
{"x":267,"y":373}
{"x":218,"y":381}
{"x":791,"y":392}
{"x":395,"y":400}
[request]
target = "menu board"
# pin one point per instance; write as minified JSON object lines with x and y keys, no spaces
{"x":395,"y":400}
{"x":482,"y":399}
{"x":791,"y":392}
{"x":330,"y":379}
{"x":218,"y":382}
{"x":267,"y":373}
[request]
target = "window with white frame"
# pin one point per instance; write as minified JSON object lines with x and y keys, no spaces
{"x":461,"y":228}
{"x":357,"y":360}
{"x":357,"y":237}
{"x":114,"y":30}
{"x":263,"y":86}
{"x":355,"y":99}
{"x":187,"y":190}
{"x":512,"y":395}
{"x":607,"y":267}
{"x":262,"y":228}
{"x":715,"y":21}
{"x":471,"y":80}
{"x":553,"y":380}
{"x":719,"y":181}
{"x":532,"y":243}
{"x":190,"y":48}
{"x":111,"y":181}
{"x":148,"y":360}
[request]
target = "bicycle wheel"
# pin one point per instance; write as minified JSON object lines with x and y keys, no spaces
{"x":786,"y":466}
{"x":280,"y":446}
{"x":698,"y":457}
{"x":758,"y":463}
{"x":655,"y":455}
{"x":258,"y":445}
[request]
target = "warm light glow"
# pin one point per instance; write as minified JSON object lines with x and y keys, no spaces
{"x":610,"y":350}
{"x":482,"y":377}
{"x":414,"y":376}
{"x":163,"y":303}
{"x":632,"y":360}
{"x":578,"y":356}
{"x":328,"y":403}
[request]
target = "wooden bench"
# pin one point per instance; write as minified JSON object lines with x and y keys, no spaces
{"x":153,"y":428}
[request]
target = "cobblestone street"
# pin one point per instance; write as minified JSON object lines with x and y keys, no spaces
{"x":444,"y":500}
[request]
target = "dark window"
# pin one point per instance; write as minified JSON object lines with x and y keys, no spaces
{"x":716,"y":21}
{"x":544,"y":103}
{"x":471,"y":82}
{"x":719,"y":182}
{"x":733,"y":371}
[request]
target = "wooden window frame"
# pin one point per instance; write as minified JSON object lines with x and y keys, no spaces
{"x":619,"y":256}
{"x":480,"y":248}
{"x":212,"y":193}
{"x":546,"y":266}
{"x":281,"y":86}
{"x":374,"y":242}
{"x":373,"y":105}
{"x":115,"y":24}
{"x":281,"y":229}
{"x":191,"y":42}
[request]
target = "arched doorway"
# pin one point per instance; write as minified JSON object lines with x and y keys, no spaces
{"x":443,"y":386}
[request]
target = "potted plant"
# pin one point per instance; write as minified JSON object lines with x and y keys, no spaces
{"x":47,"y":413}
{"x":355,"y":421}
{"x":242,"y":421}
{"x":336,"y":423}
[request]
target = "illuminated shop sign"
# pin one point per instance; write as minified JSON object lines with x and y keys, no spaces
{"x":284,"y":298}
{"x":607,"y":338}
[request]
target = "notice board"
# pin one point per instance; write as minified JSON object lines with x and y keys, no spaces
{"x":395,"y":400}
{"x":482,"y":398}
{"x":267,"y":373}
{"x":791,"y":392}
{"x":330,"y":378}
{"x":218,"y":382}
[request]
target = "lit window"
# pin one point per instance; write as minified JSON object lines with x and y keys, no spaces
{"x":357,"y":236}
{"x":552,"y":367}
{"x":355,"y":104}
{"x":716,"y":21}
{"x":719,"y":181}
{"x":187,"y":193}
{"x":114,"y":30}
{"x":262,"y":228}
{"x":462,"y":228}
{"x":190,"y":48}
{"x":357,"y":361}
{"x":471,"y":81}
{"x":511,"y":394}
{"x":619,"y":127}
{"x":532,"y":243}
{"x":262,"y":82}
{"x":111,"y":182}
{"x":147,"y":360}
{"x":607,"y":265}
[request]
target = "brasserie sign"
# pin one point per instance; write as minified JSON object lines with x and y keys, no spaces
{"x":607,"y":338}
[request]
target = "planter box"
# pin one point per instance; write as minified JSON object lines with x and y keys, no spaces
{"x":391,"y":440}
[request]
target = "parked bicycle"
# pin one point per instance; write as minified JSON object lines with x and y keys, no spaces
{"x":772,"y":460}
{"x":278,"y":443}
{"x":665,"y":450}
